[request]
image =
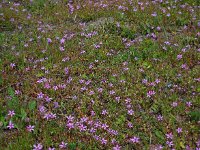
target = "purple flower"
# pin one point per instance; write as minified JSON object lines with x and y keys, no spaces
{"x":179,"y":130}
{"x":17,"y":92}
{"x":82,"y":127}
{"x":37,"y":147}
{"x":42,"y":109}
{"x":81,"y":81}
{"x":55,"y":87}
{"x":104,"y":141}
{"x":198,"y":143}
{"x":198,"y":24}
{"x":93,"y":113}
{"x":55,"y":104}
{"x":135,"y":139}
{"x":70,"y":118}
{"x":157,"y":81}
{"x":154,"y":14}
{"x":62,"y":48}
{"x":104,"y":112}
{"x":160,"y":117}
{"x":169,"y":135}
{"x":100,"y":90}
{"x":62,"y":41}
{"x":91,"y":93}
{"x":184,"y":66}
{"x":179,"y":56}
{"x":47,"y":116}
{"x":158,"y":28}
{"x":189,"y":104}
{"x":117,"y":147}
{"x":63,"y":145}
{"x":48,"y":99}
{"x":117,"y":99}
{"x":168,"y":15}
{"x":130,"y":125}
{"x":188,"y":147}
{"x":49,"y":40}
{"x":70,"y":125}
{"x":30,"y":128}
{"x":10,"y":125}
{"x":144,"y":81}
{"x":169,"y":143}
{"x":130,"y":112}
{"x":96,"y":137}
{"x":174,"y":104}
{"x":40,"y":95}
{"x":159,"y":147}
{"x":66,"y":70}
{"x":104,"y":126}
{"x":93,"y":130}
{"x":150,"y":93}
{"x":12,"y":65}
{"x":97,"y":46}
{"x":112,"y":92}
{"x":11,"y":113}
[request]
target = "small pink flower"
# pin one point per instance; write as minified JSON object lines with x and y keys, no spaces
{"x":30,"y":128}
{"x":169,"y":135}
{"x":174,"y":104}
{"x":179,"y":130}
{"x":10,"y":125}
{"x":130,"y":125}
{"x":104,"y":112}
{"x":150,"y":93}
{"x":49,"y":40}
{"x":189,"y":104}
{"x":11,"y":113}
{"x":130,"y":112}
{"x":63,"y":145}
{"x":62,"y":41}
{"x":160,"y":117}
{"x":135,"y":139}
{"x":104,"y":141}
{"x":12,"y":65}
{"x":170,"y":143}
{"x":112,"y":92}
{"x":179,"y":56}
{"x":40,"y":95}
{"x":154,"y":14}
{"x":62,"y":48}
{"x":37,"y":147}
{"x":117,"y":147}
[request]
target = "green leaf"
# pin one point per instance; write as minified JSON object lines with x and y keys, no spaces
{"x":23,"y":114}
{"x":195,"y":115}
{"x":72,"y":146}
{"x":40,"y":74}
{"x":121,"y":120}
{"x":159,"y":135}
{"x":1,"y":80}
{"x":32,"y":105}
{"x":182,"y":145}
{"x":13,"y":103}
{"x":11,"y":92}
{"x":198,"y":89}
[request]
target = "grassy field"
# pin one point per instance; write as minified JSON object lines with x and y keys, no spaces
{"x":100,"y":75}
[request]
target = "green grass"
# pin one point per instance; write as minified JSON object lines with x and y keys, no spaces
{"x":122,"y":49}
